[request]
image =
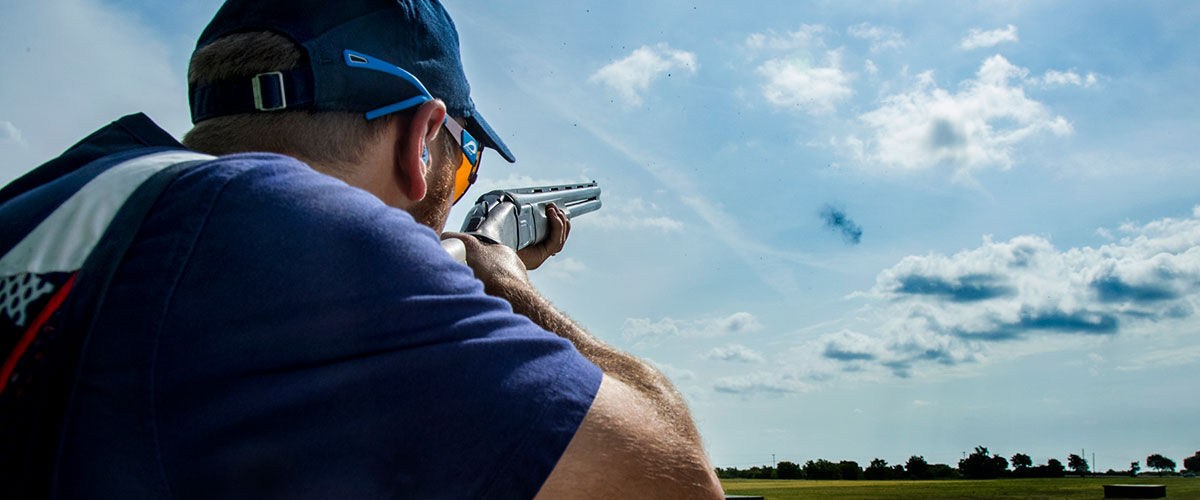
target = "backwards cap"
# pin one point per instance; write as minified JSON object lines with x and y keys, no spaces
{"x":368,"y":56}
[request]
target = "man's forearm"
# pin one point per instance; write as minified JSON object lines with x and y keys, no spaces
{"x":635,"y":373}
{"x":637,"y":428}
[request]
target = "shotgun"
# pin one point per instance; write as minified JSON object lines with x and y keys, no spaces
{"x":517,"y":217}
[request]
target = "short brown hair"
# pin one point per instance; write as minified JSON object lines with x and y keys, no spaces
{"x":328,"y":137}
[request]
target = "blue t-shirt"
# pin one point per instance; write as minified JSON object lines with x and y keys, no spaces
{"x":275,"y":332}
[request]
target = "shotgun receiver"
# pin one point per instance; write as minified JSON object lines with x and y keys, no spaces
{"x":517,"y":217}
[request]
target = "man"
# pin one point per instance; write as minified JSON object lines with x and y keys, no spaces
{"x":270,"y":313}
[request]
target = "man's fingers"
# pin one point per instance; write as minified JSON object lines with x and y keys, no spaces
{"x":558,"y":230}
{"x":566,"y":226}
{"x":560,"y":225}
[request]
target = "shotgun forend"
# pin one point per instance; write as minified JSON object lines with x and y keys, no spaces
{"x":517,"y":217}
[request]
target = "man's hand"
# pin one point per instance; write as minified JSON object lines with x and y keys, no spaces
{"x":560,"y":227}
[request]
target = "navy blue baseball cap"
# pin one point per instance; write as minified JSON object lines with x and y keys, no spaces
{"x":369,"y":56}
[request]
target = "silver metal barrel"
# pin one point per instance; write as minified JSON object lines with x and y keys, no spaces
{"x":517,"y":217}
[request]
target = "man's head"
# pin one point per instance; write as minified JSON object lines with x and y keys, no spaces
{"x":333,"y":83}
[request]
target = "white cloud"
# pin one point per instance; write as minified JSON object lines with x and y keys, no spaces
{"x":976,"y":127}
{"x":632,"y":76}
{"x":675,"y":373}
{"x":75,"y":65}
{"x":847,"y":345}
{"x":736,"y":353}
{"x":1055,"y":78}
{"x":738,"y":323}
{"x":796,"y":83}
{"x":10,"y":133}
{"x":881,"y":37}
{"x":564,"y":269}
{"x":1163,"y":358}
{"x":977,"y":38}
{"x":764,"y":383}
{"x":634,"y":214}
{"x":951,"y":309}
{"x":646,"y":330}
{"x":870,"y":67}
{"x":792,"y":79}
{"x":807,"y":36}
{"x":898,"y":346}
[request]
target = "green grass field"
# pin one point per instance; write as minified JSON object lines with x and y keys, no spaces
{"x":1064,"y":488}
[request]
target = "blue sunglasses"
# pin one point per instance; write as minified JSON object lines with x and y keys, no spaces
{"x":468,"y":167}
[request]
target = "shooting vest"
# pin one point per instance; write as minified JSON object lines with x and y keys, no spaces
{"x":66,"y":227}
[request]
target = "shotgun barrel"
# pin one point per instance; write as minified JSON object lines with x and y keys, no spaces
{"x":517,"y":217}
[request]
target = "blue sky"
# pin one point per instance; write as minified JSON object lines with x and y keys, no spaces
{"x":1021,"y":178}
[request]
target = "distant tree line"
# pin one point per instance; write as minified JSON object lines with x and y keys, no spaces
{"x":978,"y":465}
{"x":915,"y":468}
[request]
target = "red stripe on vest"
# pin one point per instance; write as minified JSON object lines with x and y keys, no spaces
{"x":30,"y":334}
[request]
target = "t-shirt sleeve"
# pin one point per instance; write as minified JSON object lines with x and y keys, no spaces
{"x":320,"y":344}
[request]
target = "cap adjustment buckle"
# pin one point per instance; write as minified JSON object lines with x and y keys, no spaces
{"x":273,"y":95}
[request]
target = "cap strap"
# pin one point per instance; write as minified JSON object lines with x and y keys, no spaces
{"x":270,"y":91}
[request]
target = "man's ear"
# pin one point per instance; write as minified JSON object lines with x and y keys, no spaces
{"x":412,"y":160}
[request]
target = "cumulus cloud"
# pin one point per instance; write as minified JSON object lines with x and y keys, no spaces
{"x":631,"y":77}
{"x":974,"y":128}
{"x":634,"y":214}
{"x":977,"y":38}
{"x":1162,"y":358}
{"x":847,"y":345}
{"x":763,"y":383}
{"x":735,"y":353}
{"x":870,"y":67}
{"x":646,"y":330}
{"x":809,"y":35}
{"x":10,"y":133}
{"x":796,"y":83}
{"x":896,"y":348}
{"x":881,"y":37}
{"x":673,"y":372}
{"x":948,"y":309}
{"x":965,"y":288}
{"x":792,"y":78}
{"x":837,"y":220}
{"x":564,"y":269}
{"x":1055,"y":78}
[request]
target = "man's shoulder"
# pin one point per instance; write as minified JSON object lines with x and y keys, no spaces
{"x":272,"y":177}
{"x":275,"y":191}
{"x":259,"y":170}
{"x":275,"y":208}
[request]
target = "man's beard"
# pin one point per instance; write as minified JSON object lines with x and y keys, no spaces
{"x":434,"y":208}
